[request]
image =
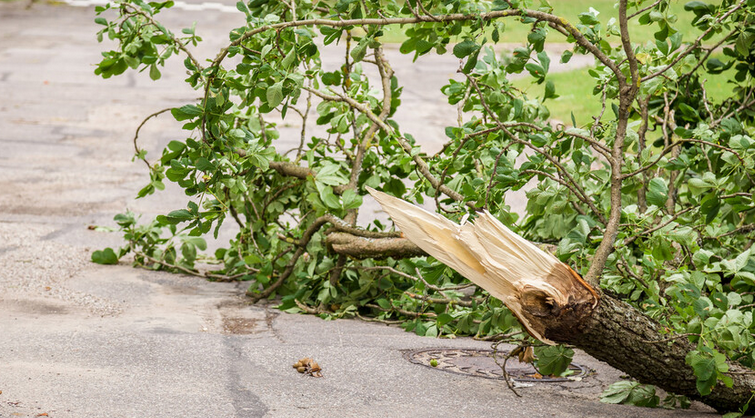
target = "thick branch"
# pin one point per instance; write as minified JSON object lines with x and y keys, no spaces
{"x":377,"y":248}
{"x":623,"y":337}
{"x":291,"y":170}
{"x":385,"y":77}
{"x":547,"y":17}
{"x":626,"y":44}
{"x":627,"y":94}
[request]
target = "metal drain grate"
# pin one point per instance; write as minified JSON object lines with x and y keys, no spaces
{"x":480,"y":363}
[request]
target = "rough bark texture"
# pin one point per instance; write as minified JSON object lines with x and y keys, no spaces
{"x":291,"y":169}
{"x":625,"y":338}
{"x":379,"y":248}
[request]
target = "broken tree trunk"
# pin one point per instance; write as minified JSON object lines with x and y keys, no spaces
{"x":627,"y":339}
{"x":555,"y":305}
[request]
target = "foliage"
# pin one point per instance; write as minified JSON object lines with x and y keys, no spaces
{"x":553,"y":360}
{"x":631,"y":393}
{"x":651,"y":199}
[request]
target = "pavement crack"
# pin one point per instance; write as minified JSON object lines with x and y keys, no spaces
{"x":270,"y":317}
{"x":246,"y":403}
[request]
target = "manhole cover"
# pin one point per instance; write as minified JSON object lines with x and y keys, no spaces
{"x":480,"y":363}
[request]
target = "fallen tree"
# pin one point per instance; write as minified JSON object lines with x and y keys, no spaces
{"x":650,"y":199}
{"x":555,"y":305}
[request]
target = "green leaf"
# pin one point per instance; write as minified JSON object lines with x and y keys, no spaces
{"x":471,"y":63}
{"x":384,"y":283}
{"x":702,"y":307}
{"x":274,"y":94}
{"x":545,"y":61}
{"x":360,"y":50}
{"x":683,"y":235}
{"x":332,"y":79}
{"x":696,"y":6}
{"x":501,"y":5}
{"x":329,"y":198}
{"x":588,"y":18}
{"x":742,"y":259}
{"x":566,"y":56}
{"x":656,"y":16}
{"x":689,"y":111}
{"x":180,"y":215}
{"x":705,"y":370}
{"x":289,"y":59}
{"x":710,"y":208}
{"x":330,"y":174}
{"x":550,"y":91}
{"x":420,"y":328}
{"x":125,"y":220}
{"x":106,"y":256}
{"x":553,"y":359}
{"x":383,"y":303}
{"x":252,"y":260}
{"x":537,"y":39}
{"x":186,"y":112}
{"x":154,"y":72}
{"x":198,"y":242}
{"x":465,"y":48}
{"x":351,"y":200}
{"x":657,"y":192}
{"x":618,"y":392}
{"x":443,"y":319}
{"x":535,"y":70}
{"x":204,"y":164}
{"x":697,"y":186}
{"x":630,"y":393}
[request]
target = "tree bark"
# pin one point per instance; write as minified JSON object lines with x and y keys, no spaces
{"x":627,"y":339}
{"x":343,"y":243}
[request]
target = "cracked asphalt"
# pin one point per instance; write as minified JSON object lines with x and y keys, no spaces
{"x":83,"y":340}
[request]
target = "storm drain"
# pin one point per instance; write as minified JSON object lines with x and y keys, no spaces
{"x":480,"y":363}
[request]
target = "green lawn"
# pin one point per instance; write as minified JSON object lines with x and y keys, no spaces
{"x":517,"y":32}
{"x":575,"y":94}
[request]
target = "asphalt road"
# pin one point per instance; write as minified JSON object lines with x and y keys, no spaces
{"x":83,"y":340}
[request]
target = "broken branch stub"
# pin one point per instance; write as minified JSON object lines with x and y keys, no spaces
{"x":549,"y":298}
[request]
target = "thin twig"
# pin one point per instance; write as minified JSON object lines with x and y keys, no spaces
{"x":136,"y":134}
{"x":506,"y":376}
{"x":695,"y":44}
{"x":631,"y":239}
{"x":657,"y":2}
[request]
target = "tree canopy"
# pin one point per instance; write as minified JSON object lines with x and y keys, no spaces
{"x":650,"y":200}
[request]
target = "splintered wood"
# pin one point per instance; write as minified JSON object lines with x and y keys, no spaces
{"x":547,"y":296}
